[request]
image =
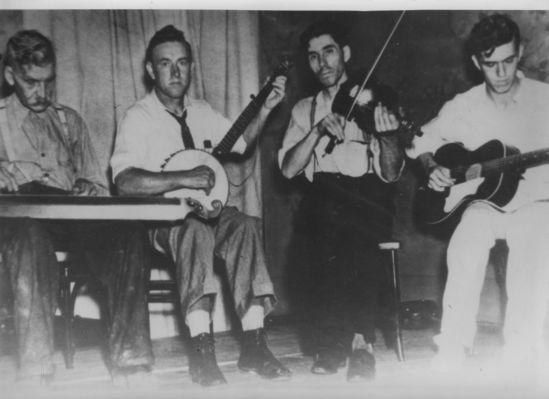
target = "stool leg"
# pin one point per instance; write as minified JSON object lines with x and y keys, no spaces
{"x":68,"y":350}
{"x":396,"y":297}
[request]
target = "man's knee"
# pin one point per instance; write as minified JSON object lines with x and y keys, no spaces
{"x":29,"y":230}
{"x":196,"y":227}
{"x":478,"y":214}
{"x":247,"y":224}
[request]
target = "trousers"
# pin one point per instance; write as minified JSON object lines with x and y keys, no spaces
{"x":526,"y":231}
{"x":117,"y":254}
{"x":235,"y":238}
{"x":347,"y":218}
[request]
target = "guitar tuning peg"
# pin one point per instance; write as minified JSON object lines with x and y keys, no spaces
{"x":252,"y":96}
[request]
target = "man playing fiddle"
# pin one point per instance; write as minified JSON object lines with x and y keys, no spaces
{"x":349,"y":206}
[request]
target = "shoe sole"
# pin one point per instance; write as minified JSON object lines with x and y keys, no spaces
{"x":323,"y":371}
{"x":244,"y":370}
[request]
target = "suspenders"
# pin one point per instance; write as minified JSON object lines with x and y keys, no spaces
{"x":368,"y":137}
{"x":4,"y":130}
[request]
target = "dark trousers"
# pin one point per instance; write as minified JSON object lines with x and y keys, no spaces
{"x":346,"y":219}
{"x":117,"y":254}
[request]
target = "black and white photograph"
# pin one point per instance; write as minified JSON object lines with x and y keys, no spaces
{"x":293,"y":200}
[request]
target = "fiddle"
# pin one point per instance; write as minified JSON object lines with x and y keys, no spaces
{"x":365,"y":101}
{"x":357,"y":99}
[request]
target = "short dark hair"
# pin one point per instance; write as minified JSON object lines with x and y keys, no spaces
{"x":29,"y":47}
{"x":324,"y":27}
{"x":490,"y":32}
{"x":169,"y":33}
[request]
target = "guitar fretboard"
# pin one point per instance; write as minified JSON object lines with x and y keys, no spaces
{"x":496,"y":166}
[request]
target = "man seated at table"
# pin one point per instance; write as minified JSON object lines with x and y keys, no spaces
{"x":48,"y":145}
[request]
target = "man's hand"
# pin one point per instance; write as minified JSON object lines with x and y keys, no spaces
{"x":277,"y":94}
{"x":202,"y":177}
{"x":385,"y":120}
{"x":7,"y":180}
{"x":83,"y":187}
{"x":332,"y":124}
{"x":439,"y":178}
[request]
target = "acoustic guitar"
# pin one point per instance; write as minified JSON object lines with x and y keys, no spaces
{"x":491,"y":173}
{"x":209,"y":206}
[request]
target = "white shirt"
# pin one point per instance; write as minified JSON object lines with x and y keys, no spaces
{"x":473,"y":118}
{"x":349,"y":158}
{"x":147,"y":134}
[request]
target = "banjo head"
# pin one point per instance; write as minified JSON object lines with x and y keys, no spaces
{"x":205,"y":205}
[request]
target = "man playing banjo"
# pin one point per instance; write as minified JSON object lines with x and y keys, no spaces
{"x":152,"y":129}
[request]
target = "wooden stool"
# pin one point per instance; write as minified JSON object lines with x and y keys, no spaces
{"x":392,"y":247}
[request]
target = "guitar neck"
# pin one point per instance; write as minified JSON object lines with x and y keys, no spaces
{"x":243,"y":121}
{"x":515,"y":162}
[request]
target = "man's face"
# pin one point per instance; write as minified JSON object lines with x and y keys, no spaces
{"x":170,"y":68}
{"x":327,"y":59}
{"x":33,"y":85}
{"x":500,"y":68}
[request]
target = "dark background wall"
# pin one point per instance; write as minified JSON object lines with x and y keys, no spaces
{"x":424,"y":62}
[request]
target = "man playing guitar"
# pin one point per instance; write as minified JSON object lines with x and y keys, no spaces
{"x":515,"y":110}
{"x":167,"y":120}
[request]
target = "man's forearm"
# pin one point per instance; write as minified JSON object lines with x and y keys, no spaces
{"x":391,"y":157}
{"x":299,"y":156}
{"x":134,"y":181}
{"x":255,"y":127}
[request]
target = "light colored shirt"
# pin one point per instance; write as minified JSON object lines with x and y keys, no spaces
{"x":37,"y":147}
{"x":147,"y":134}
{"x":349,"y":158}
{"x":473,"y":118}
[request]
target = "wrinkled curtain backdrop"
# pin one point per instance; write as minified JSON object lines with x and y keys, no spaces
{"x":100,"y":70}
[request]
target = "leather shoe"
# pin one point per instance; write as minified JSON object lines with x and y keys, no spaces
{"x":327,"y":363}
{"x":256,"y":357}
{"x":362,"y":366}
{"x":203,"y":366}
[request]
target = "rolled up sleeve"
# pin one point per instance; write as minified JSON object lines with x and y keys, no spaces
{"x":130,"y":146}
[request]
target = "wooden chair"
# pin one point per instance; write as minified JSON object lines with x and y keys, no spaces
{"x":165,"y":290}
{"x":72,"y":278}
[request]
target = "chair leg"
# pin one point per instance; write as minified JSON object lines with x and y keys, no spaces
{"x":392,"y":247}
{"x":67,"y":315}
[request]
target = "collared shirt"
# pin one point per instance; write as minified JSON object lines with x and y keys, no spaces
{"x":473,"y":118}
{"x":349,"y":158}
{"x":43,"y":150}
{"x":147,"y":134}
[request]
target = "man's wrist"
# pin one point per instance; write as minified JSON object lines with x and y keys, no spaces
{"x":427,"y":161}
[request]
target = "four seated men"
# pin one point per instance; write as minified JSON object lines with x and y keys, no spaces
{"x":46,"y":146}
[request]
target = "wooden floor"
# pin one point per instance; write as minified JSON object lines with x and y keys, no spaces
{"x":410,"y":379}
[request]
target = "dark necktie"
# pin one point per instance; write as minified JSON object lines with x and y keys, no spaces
{"x":188,"y":141}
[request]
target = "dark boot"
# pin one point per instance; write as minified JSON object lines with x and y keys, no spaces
{"x":203,"y":366}
{"x":362,"y":366}
{"x":256,"y":358}
{"x":327,"y":362}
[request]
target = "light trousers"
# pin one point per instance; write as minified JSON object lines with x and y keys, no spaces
{"x":526,"y":231}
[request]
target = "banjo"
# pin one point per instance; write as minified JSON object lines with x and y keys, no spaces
{"x":209,"y":205}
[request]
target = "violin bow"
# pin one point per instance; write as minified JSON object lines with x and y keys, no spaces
{"x":379,"y":54}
